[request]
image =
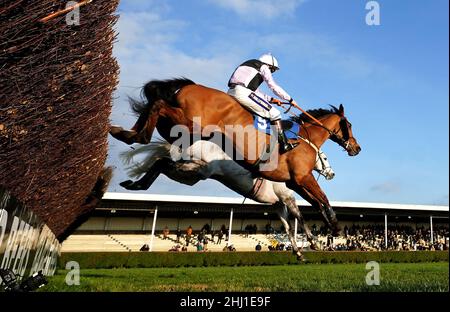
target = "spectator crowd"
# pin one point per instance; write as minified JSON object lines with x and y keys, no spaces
{"x":402,"y":237}
{"x":356,"y":237}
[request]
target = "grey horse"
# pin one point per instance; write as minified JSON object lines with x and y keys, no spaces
{"x":206,"y":160}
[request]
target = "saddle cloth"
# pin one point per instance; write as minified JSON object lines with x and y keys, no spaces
{"x":262,"y":124}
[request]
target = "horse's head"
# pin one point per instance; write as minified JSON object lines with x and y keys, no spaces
{"x":343,"y":134}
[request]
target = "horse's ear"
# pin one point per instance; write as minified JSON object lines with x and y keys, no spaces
{"x":341,"y":110}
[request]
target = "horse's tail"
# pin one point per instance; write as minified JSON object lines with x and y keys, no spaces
{"x":155,"y":90}
{"x":152,"y":151}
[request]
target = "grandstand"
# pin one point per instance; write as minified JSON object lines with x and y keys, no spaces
{"x":127,"y":221}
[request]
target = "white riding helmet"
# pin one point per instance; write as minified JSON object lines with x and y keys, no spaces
{"x":269,"y":59}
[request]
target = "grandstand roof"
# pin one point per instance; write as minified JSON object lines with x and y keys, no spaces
{"x":160,"y":198}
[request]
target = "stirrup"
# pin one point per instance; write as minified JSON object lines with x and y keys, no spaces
{"x":287,"y":146}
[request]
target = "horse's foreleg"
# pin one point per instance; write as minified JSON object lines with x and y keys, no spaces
{"x":313,"y":187}
{"x":315,"y":203}
{"x":311,"y":192}
{"x":147,"y":180}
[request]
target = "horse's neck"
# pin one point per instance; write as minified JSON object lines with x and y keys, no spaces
{"x":317,"y":134}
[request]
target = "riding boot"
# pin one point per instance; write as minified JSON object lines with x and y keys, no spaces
{"x":285,"y":146}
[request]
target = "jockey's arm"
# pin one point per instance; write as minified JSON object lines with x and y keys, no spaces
{"x":276,"y":89}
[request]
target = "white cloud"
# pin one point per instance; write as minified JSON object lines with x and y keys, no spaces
{"x":249,"y":9}
{"x":387,"y":187}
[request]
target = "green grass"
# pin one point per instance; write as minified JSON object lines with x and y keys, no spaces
{"x":110,"y":260}
{"x":295,"y":278}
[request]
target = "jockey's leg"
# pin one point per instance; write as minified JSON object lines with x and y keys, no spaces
{"x":285,"y":146}
{"x":275,"y":120}
{"x":261,"y":107}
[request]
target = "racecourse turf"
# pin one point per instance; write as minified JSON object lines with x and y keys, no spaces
{"x":404,"y":277}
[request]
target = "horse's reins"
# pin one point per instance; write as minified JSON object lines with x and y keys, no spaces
{"x":334,"y":134}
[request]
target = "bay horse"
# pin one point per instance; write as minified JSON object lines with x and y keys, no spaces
{"x":207,"y":160}
{"x":182,"y":102}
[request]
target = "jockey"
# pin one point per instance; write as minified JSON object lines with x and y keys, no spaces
{"x":243,"y":86}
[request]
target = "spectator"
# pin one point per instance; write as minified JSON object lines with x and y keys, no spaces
{"x":165,"y":232}
{"x":206,"y":228}
{"x":212,"y":235}
{"x":178,"y":235}
{"x":229,"y":248}
{"x":258,"y":247}
{"x":269,"y":229}
{"x":188,"y":235}
{"x":200,"y":237}
{"x":247,"y":230}
{"x":314,"y":229}
{"x":175,"y":248}
{"x":219,"y":237}
{"x":227,"y":235}
{"x":145,"y":247}
{"x":199,"y":246}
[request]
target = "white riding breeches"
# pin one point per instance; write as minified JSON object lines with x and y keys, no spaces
{"x":254,"y":102}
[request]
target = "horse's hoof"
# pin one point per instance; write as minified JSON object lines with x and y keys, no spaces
{"x":115,"y":129}
{"x":130,"y":185}
{"x":301,"y":258}
{"x":126,"y":183}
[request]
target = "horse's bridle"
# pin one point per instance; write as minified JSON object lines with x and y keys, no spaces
{"x":342,"y":140}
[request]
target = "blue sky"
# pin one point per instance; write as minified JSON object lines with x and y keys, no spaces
{"x":391,"y":78}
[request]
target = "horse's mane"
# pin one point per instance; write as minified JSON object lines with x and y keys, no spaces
{"x":158,"y":90}
{"x":316,"y":113}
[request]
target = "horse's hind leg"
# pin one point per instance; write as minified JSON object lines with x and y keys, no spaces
{"x":295,"y":211}
{"x":142,"y":130}
{"x":283,"y":214}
